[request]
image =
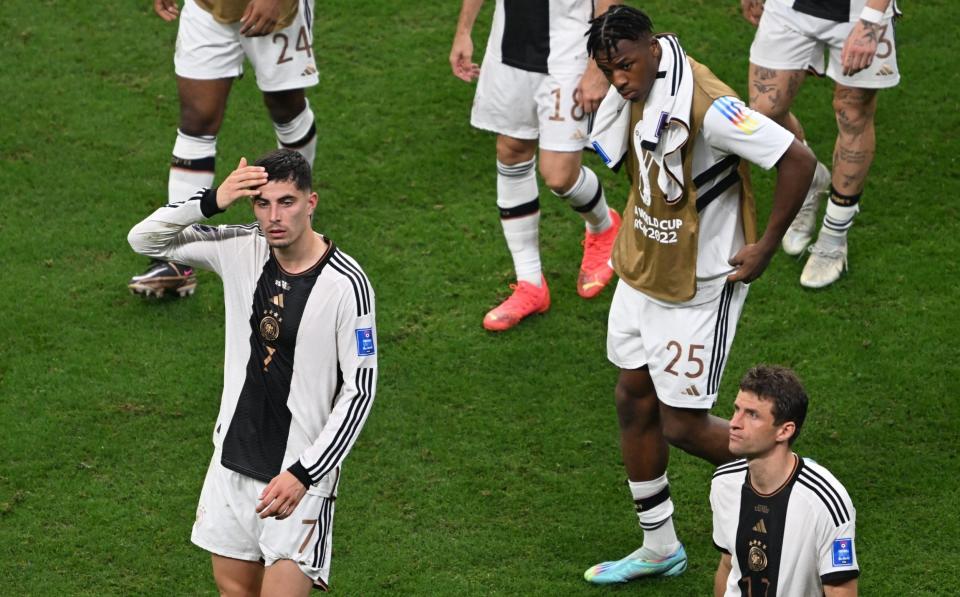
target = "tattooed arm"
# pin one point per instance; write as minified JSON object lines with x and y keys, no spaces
{"x":861,"y":45}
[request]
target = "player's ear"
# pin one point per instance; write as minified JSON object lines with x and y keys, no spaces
{"x":786,"y":431}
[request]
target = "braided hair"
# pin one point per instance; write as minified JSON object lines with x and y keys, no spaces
{"x":620,"y":22}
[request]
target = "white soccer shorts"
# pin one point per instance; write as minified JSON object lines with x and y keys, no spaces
{"x":282,"y":60}
{"x":796,"y":41}
{"x":685,"y":346}
{"x":228,"y":525}
{"x":526,"y":105}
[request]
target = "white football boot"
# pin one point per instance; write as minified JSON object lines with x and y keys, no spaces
{"x":828,"y":260}
{"x":800,"y":232}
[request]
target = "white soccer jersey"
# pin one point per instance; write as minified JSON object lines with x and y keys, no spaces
{"x":543,"y":36}
{"x":832,"y":10}
{"x":300,"y":365}
{"x":730,"y":131}
{"x":787,"y":544}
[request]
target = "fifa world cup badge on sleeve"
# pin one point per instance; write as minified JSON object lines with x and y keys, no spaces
{"x":365,"y":345}
{"x":843,"y":552}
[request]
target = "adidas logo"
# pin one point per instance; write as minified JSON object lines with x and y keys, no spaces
{"x":760,"y":527}
{"x":277,"y":300}
{"x":691,"y":391}
{"x":885,"y":71}
{"x":308,"y":71}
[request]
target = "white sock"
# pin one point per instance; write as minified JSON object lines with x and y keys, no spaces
{"x":838,"y":219}
{"x":586,"y":197}
{"x":300,"y":134}
{"x":655,"y":512}
{"x":519,"y":204}
{"x":192,"y":166}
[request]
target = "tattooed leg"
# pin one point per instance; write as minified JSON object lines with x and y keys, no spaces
{"x":856,"y":140}
{"x":772,"y":93}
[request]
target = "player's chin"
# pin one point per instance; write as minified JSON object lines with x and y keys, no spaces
{"x":279,"y":243}
{"x":736,"y":448}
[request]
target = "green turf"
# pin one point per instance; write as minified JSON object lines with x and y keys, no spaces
{"x":490,"y":463}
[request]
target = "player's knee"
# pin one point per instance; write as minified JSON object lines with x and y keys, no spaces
{"x":199,"y":118}
{"x":233,"y":588}
{"x":284,"y":106}
{"x":634,"y":407}
{"x":852,"y":115}
{"x":513,"y":151}
{"x":775,"y":111}
{"x":559,"y":180}
{"x":854,"y":107}
{"x":682,"y":428}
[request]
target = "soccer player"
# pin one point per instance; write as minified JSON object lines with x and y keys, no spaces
{"x":537,"y":88}
{"x":785,"y":525}
{"x":213,"y":39}
{"x":300,"y":373}
{"x":686,"y":252}
{"x":792,"y":35}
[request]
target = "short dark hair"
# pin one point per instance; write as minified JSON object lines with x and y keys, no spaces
{"x":287,"y":164}
{"x":617,"y":24}
{"x":784,"y":388}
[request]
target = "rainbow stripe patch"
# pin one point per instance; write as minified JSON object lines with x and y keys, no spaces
{"x":734,"y":111}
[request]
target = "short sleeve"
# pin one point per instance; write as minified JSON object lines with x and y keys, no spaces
{"x":837,"y":550}
{"x":717,"y":508}
{"x":729,"y":126}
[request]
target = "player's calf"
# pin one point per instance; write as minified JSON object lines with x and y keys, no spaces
{"x":697,"y":432}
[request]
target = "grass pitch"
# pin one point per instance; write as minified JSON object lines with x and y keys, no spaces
{"x":490,"y":463}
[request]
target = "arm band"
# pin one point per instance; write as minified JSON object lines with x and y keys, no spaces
{"x":871,"y":15}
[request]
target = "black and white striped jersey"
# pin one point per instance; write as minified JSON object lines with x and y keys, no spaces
{"x":789,"y":543}
{"x":300,"y":365}
{"x":541,"y":36}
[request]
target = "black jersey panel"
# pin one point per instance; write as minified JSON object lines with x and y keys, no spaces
{"x":257,"y":437}
{"x":832,"y":10}
{"x":526,"y":34}
{"x":760,"y":531}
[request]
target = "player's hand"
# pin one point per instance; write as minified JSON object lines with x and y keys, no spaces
{"x":166,"y":9}
{"x":860,"y":47}
{"x":461,"y":55}
{"x":592,"y":88}
{"x":751,"y":261}
{"x":281,"y":496}
{"x":260,"y":18}
{"x":752,"y":11}
{"x":242,"y":182}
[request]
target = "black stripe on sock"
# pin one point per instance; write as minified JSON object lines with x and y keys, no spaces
{"x":588,"y":207}
{"x":647,"y":503}
{"x":207,"y":164}
{"x":518,"y":211}
{"x":654,"y":526}
{"x":304,"y":140}
{"x":843,"y":200}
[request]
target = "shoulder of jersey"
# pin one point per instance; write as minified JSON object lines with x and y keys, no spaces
{"x":231,"y":230}
{"x":826,"y":491}
{"x":731,"y":468}
{"x":355,"y":279}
